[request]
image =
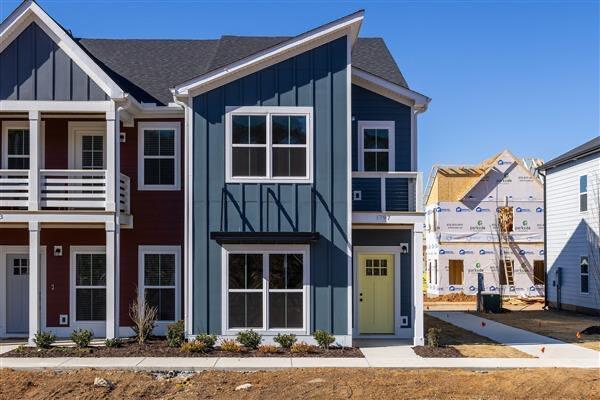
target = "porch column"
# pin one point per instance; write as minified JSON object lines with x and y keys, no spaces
{"x":111,"y":161}
{"x":34,"y":280}
{"x":112,"y":287}
{"x":417,"y":251}
{"x":34,"y":160}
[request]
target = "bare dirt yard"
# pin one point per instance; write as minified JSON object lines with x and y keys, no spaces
{"x":561,"y":325}
{"x":470,"y":344}
{"x":306,"y":383}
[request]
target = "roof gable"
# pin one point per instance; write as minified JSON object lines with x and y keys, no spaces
{"x":31,"y":20}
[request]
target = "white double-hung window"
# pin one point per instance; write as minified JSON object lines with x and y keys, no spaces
{"x":158,"y":285}
{"x":269,"y":144}
{"x":376,"y":144}
{"x":266,"y":288}
{"x":159,"y":155}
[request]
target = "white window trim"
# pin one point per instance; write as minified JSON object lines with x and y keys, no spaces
{"x":268,"y":111}
{"x":6,"y":125}
{"x":73,"y":322}
{"x":391,"y":127}
{"x":174,"y":125}
{"x":77,"y":129}
{"x":265,"y":250}
{"x":581,"y":193}
{"x":582,"y":274}
{"x":176,"y":250}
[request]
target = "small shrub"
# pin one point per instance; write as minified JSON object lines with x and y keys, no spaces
{"x":143,"y":317}
{"x":195,"y":346}
{"x":113,"y":343}
{"x":81,"y":337}
{"x":433,"y":337}
{"x":208,"y":340}
{"x":20,"y":349}
{"x":268,"y":349}
{"x":323,"y":338}
{"x":230,"y":345}
{"x":43,"y":340}
{"x":249,"y":339}
{"x":176,"y":334}
{"x":303,"y":348}
{"x":285,"y":340}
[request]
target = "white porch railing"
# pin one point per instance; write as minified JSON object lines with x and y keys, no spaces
{"x":414,"y":195}
{"x":14,"y":188}
{"x":73,"y":189}
{"x":62,"y":189}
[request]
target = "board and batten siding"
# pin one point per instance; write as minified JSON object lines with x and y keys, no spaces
{"x":33,"y":67}
{"x":370,"y":106}
{"x":315,"y":78}
{"x":571,"y":234}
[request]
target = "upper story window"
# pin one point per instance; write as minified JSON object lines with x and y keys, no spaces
{"x":376,"y":146}
{"x":583,"y":206}
{"x":584,"y":274}
{"x":269,"y":144}
{"x":15,"y":149}
{"x":87,"y":144}
{"x":158,"y":156}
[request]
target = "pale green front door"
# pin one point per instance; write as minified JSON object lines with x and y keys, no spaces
{"x":376,"y":293}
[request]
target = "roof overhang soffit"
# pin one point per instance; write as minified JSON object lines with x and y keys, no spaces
{"x":390,"y":90}
{"x":29,"y":12}
{"x":349,"y":25}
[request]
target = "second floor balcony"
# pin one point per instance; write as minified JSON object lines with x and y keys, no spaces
{"x":78,"y":190}
{"x":386,"y":196}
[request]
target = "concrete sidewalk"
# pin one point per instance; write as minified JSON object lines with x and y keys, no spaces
{"x":528,"y":342}
{"x":256,"y":363}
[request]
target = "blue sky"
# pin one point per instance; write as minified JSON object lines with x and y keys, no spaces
{"x":518,"y":75}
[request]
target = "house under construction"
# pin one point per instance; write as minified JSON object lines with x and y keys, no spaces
{"x":487,"y":219}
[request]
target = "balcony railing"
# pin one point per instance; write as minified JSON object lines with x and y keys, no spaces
{"x":62,"y":190}
{"x":387,"y":191}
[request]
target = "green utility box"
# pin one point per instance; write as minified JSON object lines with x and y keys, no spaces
{"x":491,"y":303}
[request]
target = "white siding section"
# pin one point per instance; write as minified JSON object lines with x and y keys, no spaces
{"x":572,"y":234}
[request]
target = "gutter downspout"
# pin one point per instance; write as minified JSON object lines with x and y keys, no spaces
{"x":188,"y":224}
{"x":546,"y":282}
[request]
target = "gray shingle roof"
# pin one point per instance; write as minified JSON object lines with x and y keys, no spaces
{"x":148,"y":68}
{"x":592,"y":146}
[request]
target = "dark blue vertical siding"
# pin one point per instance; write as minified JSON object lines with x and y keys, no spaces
{"x":33,"y":67}
{"x":316,"y":78}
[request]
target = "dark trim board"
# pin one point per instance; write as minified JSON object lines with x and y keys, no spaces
{"x":265,"y":237}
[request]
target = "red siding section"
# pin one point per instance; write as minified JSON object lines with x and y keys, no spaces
{"x":158,"y":219}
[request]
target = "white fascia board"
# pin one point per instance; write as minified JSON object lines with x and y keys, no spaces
{"x":102,"y":106}
{"x":29,"y":12}
{"x":389,"y":89}
{"x":145,"y":110}
{"x":349,"y":25}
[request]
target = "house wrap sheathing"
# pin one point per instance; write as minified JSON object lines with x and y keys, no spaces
{"x":461,"y":231}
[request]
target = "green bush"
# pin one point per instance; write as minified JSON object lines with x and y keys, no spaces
{"x":176,"y":334}
{"x":44,"y":340}
{"x":323,"y":338}
{"x":195,"y":346}
{"x":114,"y":342}
{"x":81,"y":337}
{"x":249,"y":339}
{"x":433,"y":337}
{"x":208,"y":340}
{"x":285,"y":340}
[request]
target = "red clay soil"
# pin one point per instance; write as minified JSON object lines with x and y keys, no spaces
{"x":342,"y":383}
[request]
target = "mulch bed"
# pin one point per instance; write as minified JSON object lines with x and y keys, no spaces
{"x":159,"y":348}
{"x":437,"y":352}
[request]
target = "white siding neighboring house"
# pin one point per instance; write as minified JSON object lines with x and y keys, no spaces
{"x":572,"y":193}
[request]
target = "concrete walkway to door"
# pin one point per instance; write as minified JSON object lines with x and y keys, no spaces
{"x":531,"y":343}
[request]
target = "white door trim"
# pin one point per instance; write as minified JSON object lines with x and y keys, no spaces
{"x":4,"y":251}
{"x":399,"y":332}
{"x":76,"y":130}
